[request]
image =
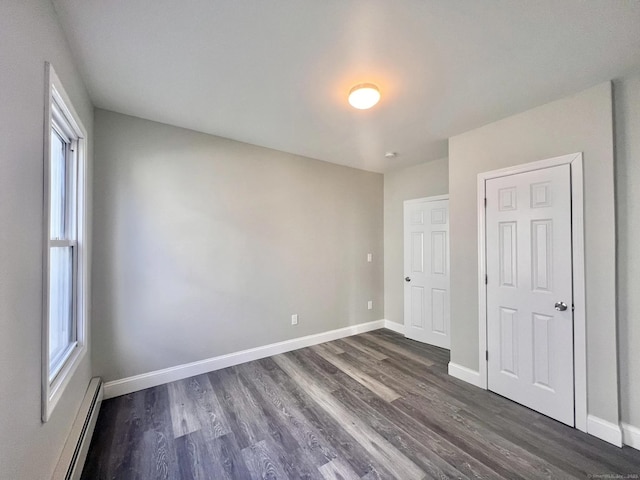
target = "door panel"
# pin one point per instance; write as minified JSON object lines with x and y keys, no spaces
{"x":541,"y":239}
{"x":542,"y":338}
{"x":509,"y":341}
{"x":507,"y":254}
{"x":417,"y":307}
{"x":438,"y":253}
{"x":528,"y":241}
{"x":427,"y":265}
{"x":438,"y":310}
{"x":417,"y":252}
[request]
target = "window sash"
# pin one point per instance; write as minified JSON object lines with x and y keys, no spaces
{"x":63,"y":180}
{"x":58,"y":198}
{"x":63,"y":267}
{"x":63,"y":303}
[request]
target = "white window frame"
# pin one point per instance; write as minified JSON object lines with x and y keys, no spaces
{"x":59,"y":110}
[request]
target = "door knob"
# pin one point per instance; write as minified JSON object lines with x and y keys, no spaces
{"x":561,"y":306}
{"x":407,"y":279}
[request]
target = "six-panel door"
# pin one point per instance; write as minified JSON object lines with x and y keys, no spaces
{"x":426,"y":291}
{"x":529,"y":267}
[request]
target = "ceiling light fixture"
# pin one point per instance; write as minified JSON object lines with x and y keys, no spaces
{"x":364,"y":95}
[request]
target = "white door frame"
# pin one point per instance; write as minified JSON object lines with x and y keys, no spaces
{"x":579,"y":299}
{"x":434,"y":198}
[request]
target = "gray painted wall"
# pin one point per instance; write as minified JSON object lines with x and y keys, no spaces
{"x":29,"y":36}
{"x":627,"y":128}
{"x":424,"y":180}
{"x":581,"y":123}
{"x":206,"y":246}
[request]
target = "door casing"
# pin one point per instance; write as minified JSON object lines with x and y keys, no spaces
{"x":579,"y":300}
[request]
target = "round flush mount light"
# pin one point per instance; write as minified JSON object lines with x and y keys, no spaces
{"x":364,"y":95}
{"x":391,"y":154}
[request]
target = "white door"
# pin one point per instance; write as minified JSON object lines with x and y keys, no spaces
{"x":529,"y":290}
{"x":426,"y":267}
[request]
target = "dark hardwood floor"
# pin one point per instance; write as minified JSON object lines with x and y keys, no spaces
{"x":371,"y":406}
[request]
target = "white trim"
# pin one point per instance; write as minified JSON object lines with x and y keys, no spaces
{"x":52,"y":390}
{"x":531,"y":166}
{"x":630,"y":435}
{"x":579,"y":297}
{"x":482,"y":287}
{"x":434,"y":198}
{"x":146,"y":380}
{"x":604,"y":430}
{"x":394,"y":326}
{"x":465,"y":374}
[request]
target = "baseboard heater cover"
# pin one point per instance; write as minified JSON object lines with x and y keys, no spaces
{"x":75,"y":450}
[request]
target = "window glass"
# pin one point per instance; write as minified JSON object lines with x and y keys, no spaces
{"x":61,"y":334}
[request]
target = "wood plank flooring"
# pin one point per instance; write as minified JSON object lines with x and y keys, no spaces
{"x":372,"y":406}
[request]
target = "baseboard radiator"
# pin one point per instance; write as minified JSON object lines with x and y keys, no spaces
{"x":76,"y":447}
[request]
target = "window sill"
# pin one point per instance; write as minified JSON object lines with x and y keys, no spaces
{"x":55,"y":389}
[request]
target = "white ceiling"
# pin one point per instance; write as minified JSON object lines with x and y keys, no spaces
{"x":277,"y":73}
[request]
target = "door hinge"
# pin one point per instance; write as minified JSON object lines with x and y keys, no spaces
{"x":485,"y":202}
{"x":486,"y":355}
{"x":486,"y":279}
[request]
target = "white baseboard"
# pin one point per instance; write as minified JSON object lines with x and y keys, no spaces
{"x":604,"y":430}
{"x":396,"y":327}
{"x":630,"y":435}
{"x":465,"y":374}
{"x":146,"y":380}
{"x":607,"y":431}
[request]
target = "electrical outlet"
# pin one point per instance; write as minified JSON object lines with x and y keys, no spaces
{"x":294,"y":319}
{"x":369,"y":257}
{"x":370,"y":304}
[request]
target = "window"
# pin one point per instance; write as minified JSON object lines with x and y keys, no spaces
{"x":65,"y":273}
